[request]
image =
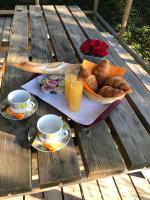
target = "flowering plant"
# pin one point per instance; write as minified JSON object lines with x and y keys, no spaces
{"x":94,"y":47}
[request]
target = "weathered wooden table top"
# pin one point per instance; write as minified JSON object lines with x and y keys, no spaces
{"x":119,"y":144}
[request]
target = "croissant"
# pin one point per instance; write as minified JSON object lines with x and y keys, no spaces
{"x":101,"y":71}
{"x":102,"y":68}
{"x":117,"y":82}
{"x":92,"y":82}
{"x":84,"y":73}
{"x":100,"y":80}
{"x":108,"y":91}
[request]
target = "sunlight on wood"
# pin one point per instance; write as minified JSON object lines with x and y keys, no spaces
{"x":108,"y":189}
{"x":128,"y":59}
{"x":142,"y":186}
{"x":37,"y":196}
{"x":91,"y":191}
{"x":125,"y":187}
{"x":72,"y":192}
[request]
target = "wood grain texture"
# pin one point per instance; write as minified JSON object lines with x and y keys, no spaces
{"x":133,"y":138}
{"x":55,"y":194}
{"x":40,"y":43}
{"x":15,"y":159}
{"x":146,"y":173}
{"x":2,"y":57}
{"x":140,"y":93}
{"x":72,"y":192}
{"x":128,"y":59}
{"x":108,"y":189}
{"x":142,"y":186}
{"x":6,"y":31}
{"x":15,"y":198}
{"x":61,"y":44}
{"x":62,"y":166}
{"x":37,"y":196}
{"x":58,"y":167}
{"x":2,"y":22}
{"x":18,"y":51}
{"x":91,"y":191}
{"x":126,"y":187}
{"x":15,"y":175}
{"x":75,"y":34}
{"x":98,"y":150}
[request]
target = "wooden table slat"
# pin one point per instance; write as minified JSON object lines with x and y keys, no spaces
{"x":125,"y":187}
{"x":61,"y":166}
{"x":108,"y":189}
{"x":40,"y":44}
{"x":58,"y":167}
{"x":72,"y":192}
{"x":55,"y":194}
{"x":37,"y":196}
{"x":63,"y":49}
{"x":6,"y":31}
{"x":133,"y":138}
{"x":142,"y":186}
{"x":100,"y":155}
{"x":74,"y":32}
{"x":91,"y":190}
{"x":2,"y":22}
{"x":15,"y":158}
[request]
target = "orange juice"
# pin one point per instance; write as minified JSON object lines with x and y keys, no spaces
{"x":68,"y":78}
{"x":75,"y":95}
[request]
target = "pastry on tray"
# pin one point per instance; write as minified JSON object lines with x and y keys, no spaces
{"x":52,"y":84}
{"x":108,"y":91}
{"x":103,"y":82}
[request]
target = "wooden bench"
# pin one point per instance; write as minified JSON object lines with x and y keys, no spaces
{"x":117,"y":145}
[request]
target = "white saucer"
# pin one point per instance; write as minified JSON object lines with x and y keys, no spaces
{"x":4,"y":104}
{"x":37,"y":143}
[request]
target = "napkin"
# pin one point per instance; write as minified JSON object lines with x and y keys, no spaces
{"x":48,"y":68}
{"x":114,"y":70}
{"x":17,"y":115}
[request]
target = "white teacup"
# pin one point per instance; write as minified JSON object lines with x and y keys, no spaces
{"x":20,"y":101}
{"x":50,"y":129}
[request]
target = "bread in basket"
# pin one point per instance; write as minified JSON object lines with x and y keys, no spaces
{"x":103,"y":79}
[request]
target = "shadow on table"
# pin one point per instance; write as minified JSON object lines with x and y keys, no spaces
{"x":17,"y":128}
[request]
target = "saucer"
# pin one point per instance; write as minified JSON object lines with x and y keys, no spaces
{"x":4,"y":104}
{"x":37,"y":143}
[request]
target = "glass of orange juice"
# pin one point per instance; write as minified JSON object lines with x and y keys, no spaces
{"x":68,"y":78}
{"x":75,"y":95}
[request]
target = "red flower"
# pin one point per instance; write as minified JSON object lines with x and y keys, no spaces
{"x":85,"y":48}
{"x":94,"y":47}
{"x":98,"y":51}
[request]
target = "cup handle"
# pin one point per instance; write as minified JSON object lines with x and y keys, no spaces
{"x":31,"y":105}
{"x":65,"y":132}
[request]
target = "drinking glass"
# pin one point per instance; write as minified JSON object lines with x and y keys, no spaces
{"x":68,"y":78}
{"x":75,"y":95}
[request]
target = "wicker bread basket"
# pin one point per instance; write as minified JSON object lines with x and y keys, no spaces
{"x":114,"y":71}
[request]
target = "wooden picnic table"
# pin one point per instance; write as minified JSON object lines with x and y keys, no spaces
{"x":119,"y":144}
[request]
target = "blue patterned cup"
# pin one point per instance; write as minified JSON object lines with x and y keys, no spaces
{"x":20,"y":101}
{"x":50,"y":129}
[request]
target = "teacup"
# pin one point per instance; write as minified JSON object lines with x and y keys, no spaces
{"x":20,"y":101}
{"x":50,"y":129}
